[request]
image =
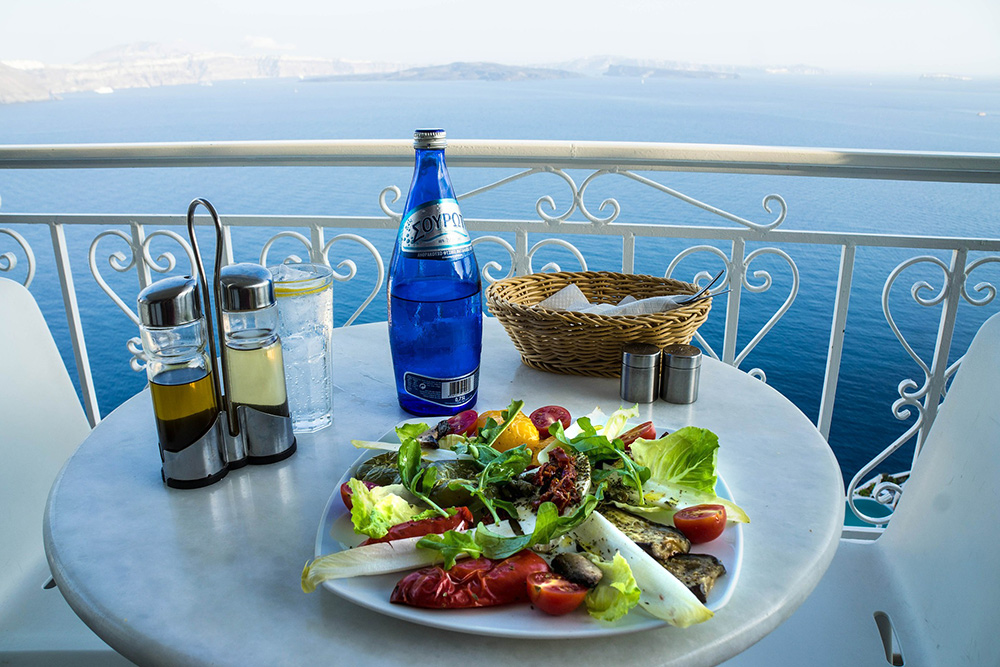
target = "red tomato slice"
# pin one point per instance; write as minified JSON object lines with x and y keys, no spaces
{"x":460,"y":520}
{"x":477,"y":582}
{"x":645,"y":430}
{"x":553,"y":594}
{"x":701,"y":523}
{"x":346,"y":493}
{"x":464,"y":423}
{"x":545,"y":417}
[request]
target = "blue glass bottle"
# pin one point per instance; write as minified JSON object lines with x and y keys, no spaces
{"x":435,"y":299}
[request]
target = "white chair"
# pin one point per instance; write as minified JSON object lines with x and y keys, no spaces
{"x":926,"y":591}
{"x":41,"y":424}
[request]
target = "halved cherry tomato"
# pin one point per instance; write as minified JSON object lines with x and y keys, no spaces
{"x":464,"y":423}
{"x":701,"y":523}
{"x":553,"y":594}
{"x":346,"y":493}
{"x":545,"y":417}
{"x":645,"y":430}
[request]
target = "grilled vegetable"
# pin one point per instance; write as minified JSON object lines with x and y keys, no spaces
{"x":659,"y":541}
{"x":698,"y":572}
{"x":577,"y":568}
{"x":663,"y":595}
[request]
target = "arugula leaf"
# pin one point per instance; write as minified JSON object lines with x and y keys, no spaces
{"x":599,"y":449}
{"x":451,"y":544}
{"x":548,"y":526}
{"x":489,"y":433}
{"x":418,"y":480}
{"x":497,"y":468}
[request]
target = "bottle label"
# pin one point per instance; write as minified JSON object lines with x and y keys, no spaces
{"x":447,"y":392}
{"x":435,"y":230}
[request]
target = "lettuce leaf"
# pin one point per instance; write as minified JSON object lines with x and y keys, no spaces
{"x":615,"y":425}
{"x":374,"y":511}
{"x":617,"y":591}
{"x":406,"y":431}
{"x":686,"y":457}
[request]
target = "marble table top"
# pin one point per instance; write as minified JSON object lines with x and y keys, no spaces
{"x":211,"y":576}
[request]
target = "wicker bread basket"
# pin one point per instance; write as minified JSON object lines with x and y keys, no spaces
{"x":561,"y":341}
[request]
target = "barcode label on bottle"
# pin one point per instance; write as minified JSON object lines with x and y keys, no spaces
{"x":457,"y":388}
{"x":447,"y":392}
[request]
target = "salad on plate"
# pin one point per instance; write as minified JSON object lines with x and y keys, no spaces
{"x":593,"y":519}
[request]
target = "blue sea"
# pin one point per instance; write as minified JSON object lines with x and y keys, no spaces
{"x":818,"y":111}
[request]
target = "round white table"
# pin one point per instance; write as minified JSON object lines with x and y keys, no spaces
{"x":211,"y":576}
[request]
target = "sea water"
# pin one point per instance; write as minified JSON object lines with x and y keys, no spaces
{"x":840,"y":112}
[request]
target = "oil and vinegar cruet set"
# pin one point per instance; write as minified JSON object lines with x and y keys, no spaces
{"x":210,"y":421}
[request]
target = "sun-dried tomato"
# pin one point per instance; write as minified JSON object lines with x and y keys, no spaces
{"x":556,"y":478}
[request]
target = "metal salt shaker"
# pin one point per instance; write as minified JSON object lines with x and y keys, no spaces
{"x":681,"y":373}
{"x":640,"y":372}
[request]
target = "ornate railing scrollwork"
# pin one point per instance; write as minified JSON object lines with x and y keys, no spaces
{"x":764,"y":286}
{"x":915,"y":397}
{"x":740,"y":271}
{"x":352,"y":269}
{"x":164,"y":262}
{"x":766,"y":203}
{"x":348,"y":267}
{"x":8,"y":260}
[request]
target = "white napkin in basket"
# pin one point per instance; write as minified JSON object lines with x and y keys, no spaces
{"x":571,"y":298}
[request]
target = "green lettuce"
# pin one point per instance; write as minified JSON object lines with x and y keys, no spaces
{"x":374,"y":511}
{"x":682,"y":472}
{"x":616,"y":593}
{"x":615,"y":425}
{"x":686,"y":457}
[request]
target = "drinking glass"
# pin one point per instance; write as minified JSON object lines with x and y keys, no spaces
{"x":305,"y":325}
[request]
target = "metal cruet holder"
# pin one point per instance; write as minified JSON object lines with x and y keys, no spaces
{"x":244,"y":295}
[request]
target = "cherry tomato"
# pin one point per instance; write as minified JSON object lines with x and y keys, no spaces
{"x":464,"y":423}
{"x":701,"y":523}
{"x":645,"y":430}
{"x":346,"y":493}
{"x":553,"y":594}
{"x":542,"y":418}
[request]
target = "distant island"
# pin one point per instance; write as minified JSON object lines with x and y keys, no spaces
{"x":147,"y":65}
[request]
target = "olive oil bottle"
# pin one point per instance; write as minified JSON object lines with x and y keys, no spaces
{"x":186,"y":400}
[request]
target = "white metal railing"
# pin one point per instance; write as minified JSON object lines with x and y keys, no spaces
{"x":737,"y":247}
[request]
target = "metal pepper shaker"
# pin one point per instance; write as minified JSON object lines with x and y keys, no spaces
{"x":640,"y":372}
{"x":681,"y":372}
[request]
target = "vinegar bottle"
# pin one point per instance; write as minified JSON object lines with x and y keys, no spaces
{"x":435,"y":300}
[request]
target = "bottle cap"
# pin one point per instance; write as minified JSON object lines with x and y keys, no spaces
{"x":246,"y":286}
{"x":170,"y":302}
{"x":423,"y":139}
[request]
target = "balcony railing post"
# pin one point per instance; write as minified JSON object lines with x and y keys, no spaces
{"x":937,"y":379}
{"x":65,"y":270}
{"x":735,"y":269}
{"x":836,"y":348}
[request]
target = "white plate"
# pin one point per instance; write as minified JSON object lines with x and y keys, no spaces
{"x":520,"y":620}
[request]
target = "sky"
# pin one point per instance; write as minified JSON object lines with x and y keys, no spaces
{"x":879,"y":36}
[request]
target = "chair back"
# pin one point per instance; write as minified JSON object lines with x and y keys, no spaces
{"x":41,"y":424}
{"x":942,"y":541}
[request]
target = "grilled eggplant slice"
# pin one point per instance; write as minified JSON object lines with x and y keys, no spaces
{"x":659,"y":541}
{"x":698,"y":572}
